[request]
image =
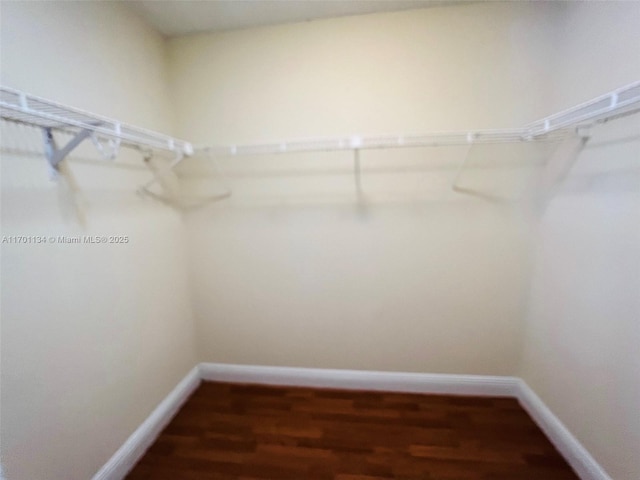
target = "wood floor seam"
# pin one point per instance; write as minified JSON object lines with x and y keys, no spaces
{"x":228,"y":431}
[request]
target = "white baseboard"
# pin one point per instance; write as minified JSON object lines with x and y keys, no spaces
{"x":136,"y":445}
{"x":480,"y":385}
{"x":571,"y":449}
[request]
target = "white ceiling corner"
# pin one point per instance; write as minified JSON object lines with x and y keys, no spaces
{"x":184,"y":17}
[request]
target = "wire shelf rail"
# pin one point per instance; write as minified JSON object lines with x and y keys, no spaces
{"x":17,"y":106}
{"x":619,"y":102}
{"x":20,"y":107}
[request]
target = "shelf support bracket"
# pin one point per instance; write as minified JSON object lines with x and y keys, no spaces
{"x":454,"y":183}
{"x":357,"y":174}
{"x":56,"y":155}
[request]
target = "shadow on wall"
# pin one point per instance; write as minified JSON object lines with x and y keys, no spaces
{"x":616,"y":175}
{"x":499,"y":173}
{"x":528,"y":174}
{"x":84,"y":182}
{"x":522,"y":177}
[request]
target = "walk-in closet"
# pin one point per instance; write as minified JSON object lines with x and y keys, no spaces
{"x":310,"y":239}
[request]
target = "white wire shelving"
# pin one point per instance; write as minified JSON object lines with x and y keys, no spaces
{"x":357,"y":142}
{"x":20,"y":107}
{"x":17,"y":106}
{"x":619,"y":102}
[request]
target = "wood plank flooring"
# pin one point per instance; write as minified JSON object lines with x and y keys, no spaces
{"x":249,"y":432}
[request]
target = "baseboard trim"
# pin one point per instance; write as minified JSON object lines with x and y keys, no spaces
{"x":125,"y":458}
{"x":480,"y":385}
{"x":567,"y":444}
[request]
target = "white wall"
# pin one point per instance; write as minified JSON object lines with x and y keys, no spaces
{"x":297,"y":268}
{"x":395,"y":289}
{"x":582,"y":340}
{"x":455,"y":67}
{"x":294,"y":269}
{"x":93,"y":336}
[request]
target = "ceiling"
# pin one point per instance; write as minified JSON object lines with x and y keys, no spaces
{"x":183,"y":17}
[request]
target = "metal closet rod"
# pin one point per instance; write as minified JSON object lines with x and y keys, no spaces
{"x":621,"y":101}
{"x":20,"y":107}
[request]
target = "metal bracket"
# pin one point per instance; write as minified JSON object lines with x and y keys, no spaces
{"x":357,"y":173}
{"x":454,"y":183}
{"x":584,"y":131}
{"x":56,"y":155}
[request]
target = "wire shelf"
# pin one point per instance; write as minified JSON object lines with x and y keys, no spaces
{"x":619,"y":102}
{"x":17,"y":106}
{"x":20,"y":107}
{"x":622,"y":101}
{"x":378,"y":142}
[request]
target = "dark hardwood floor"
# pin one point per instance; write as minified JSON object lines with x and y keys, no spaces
{"x":228,"y":431}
